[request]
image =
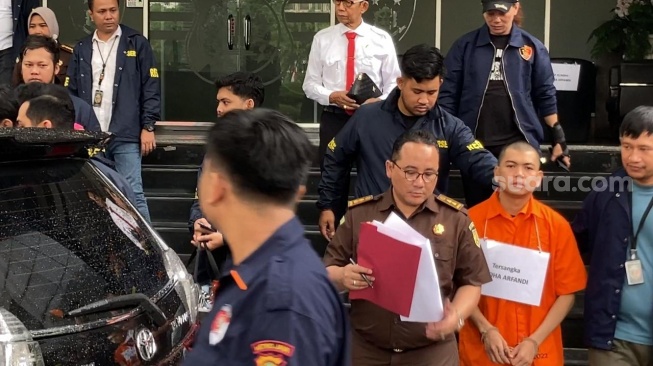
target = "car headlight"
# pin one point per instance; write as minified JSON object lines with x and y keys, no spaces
{"x":17,"y":348}
{"x":184,"y":284}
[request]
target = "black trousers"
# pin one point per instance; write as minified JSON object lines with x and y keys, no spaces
{"x":331,"y":122}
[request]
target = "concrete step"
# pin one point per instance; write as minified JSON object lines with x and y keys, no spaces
{"x":576,"y":357}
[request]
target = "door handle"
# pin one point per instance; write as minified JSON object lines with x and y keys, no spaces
{"x":247,"y":31}
{"x":231,"y":31}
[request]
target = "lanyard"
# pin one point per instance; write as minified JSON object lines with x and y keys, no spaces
{"x":635,"y":234}
{"x":104,"y":62}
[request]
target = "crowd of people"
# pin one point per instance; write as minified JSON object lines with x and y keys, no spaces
{"x":482,"y":109}
{"x":108,"y":79}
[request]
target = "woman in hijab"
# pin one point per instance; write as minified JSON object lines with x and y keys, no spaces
{"x":43,"y":22}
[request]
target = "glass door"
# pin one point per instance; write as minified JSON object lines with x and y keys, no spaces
{"x":198,"y":41}
{"x":75,"y":22}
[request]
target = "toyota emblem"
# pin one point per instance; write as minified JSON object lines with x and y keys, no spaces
{"x":146,"y":344}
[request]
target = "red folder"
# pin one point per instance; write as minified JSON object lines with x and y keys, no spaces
{"x":394,"y":267}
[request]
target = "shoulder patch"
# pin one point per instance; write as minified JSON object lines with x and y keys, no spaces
{"x":450,"y":202}
{"x":526,"y":52}
{"x":359,"y":201}
{"x":66,"y":48}
{"x":272,"y":352}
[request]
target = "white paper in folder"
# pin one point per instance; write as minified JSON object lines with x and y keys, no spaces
{"x":427,"y":300}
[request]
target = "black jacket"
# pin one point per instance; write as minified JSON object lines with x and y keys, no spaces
{"x":137,"y":87}
{"x":603,"y":228}
{"x":528,"y":77}
{"x":20,"y":10}
{"x":368,"y":136}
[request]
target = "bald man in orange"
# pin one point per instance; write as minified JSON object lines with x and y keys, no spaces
{"x":503,"y":329}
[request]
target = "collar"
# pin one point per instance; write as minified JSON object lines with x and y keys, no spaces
{"x":387,"y":202}
{"x":515,"y":36}
{"x":287,"y":236}
{"x":117,"y":33}
{"x":496,"y":209}
{"x":362,"y":30}
{"x":391,"y":105}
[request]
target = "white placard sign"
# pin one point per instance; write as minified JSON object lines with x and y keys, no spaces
{"x":134,"y":3}
{"x":566,"y":76}
{"x":518,"y":273}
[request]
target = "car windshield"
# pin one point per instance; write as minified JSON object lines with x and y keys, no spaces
{"x":68,"y":239}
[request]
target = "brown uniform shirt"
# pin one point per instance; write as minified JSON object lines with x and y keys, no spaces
{"x":64,"y":59}
{"x":458,"y":258}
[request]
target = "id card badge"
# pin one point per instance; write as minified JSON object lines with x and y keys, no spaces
{"x":97,"y":98}
{"x":634,"y":273}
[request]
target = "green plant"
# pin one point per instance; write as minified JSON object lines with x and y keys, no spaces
{"x":627,"y":32}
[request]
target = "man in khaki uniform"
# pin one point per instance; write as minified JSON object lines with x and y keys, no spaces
{"x":379,"y":336}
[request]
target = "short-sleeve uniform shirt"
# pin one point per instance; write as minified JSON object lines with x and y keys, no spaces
{"x":458,"y":258}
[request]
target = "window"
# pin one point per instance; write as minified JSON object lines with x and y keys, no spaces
{"x":68,"y":240}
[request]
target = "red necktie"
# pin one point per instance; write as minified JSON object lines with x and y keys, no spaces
{"x":351,"y":57}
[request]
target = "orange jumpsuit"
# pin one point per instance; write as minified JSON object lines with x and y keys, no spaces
{"x":565,"y":275}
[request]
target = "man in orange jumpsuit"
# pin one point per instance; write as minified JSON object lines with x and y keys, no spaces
{"x":503,"y":331}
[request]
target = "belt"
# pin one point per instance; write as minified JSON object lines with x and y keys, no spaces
{"x":400,"y":350}
{"x":334,"y":109}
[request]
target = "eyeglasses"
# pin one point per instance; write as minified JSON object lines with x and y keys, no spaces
{"x":412,"y":175}
{"x":348,"y":3}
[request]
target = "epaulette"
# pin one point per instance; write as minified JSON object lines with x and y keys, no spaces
{"x":359,"y":201}
{"x":66,"y":48}
{"x":451,"y":203}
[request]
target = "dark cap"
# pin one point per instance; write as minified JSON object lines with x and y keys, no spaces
{"x":502,"y":6}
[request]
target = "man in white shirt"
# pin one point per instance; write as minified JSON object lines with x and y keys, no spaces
{"x":338,"y":54}
{"x":114,"y":71}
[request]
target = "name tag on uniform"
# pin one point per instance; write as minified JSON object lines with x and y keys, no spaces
{"x":518,"y":273}
{"x":634,"y":273}
{"x":97,"y":98}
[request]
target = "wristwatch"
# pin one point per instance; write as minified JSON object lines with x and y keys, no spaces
{"x":148,"y":127}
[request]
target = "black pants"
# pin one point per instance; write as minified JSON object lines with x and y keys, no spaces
{"x":331,"y":122}
{"x":7,"y":63}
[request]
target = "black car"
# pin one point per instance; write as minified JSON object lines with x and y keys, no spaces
{"x":83,"y":279}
